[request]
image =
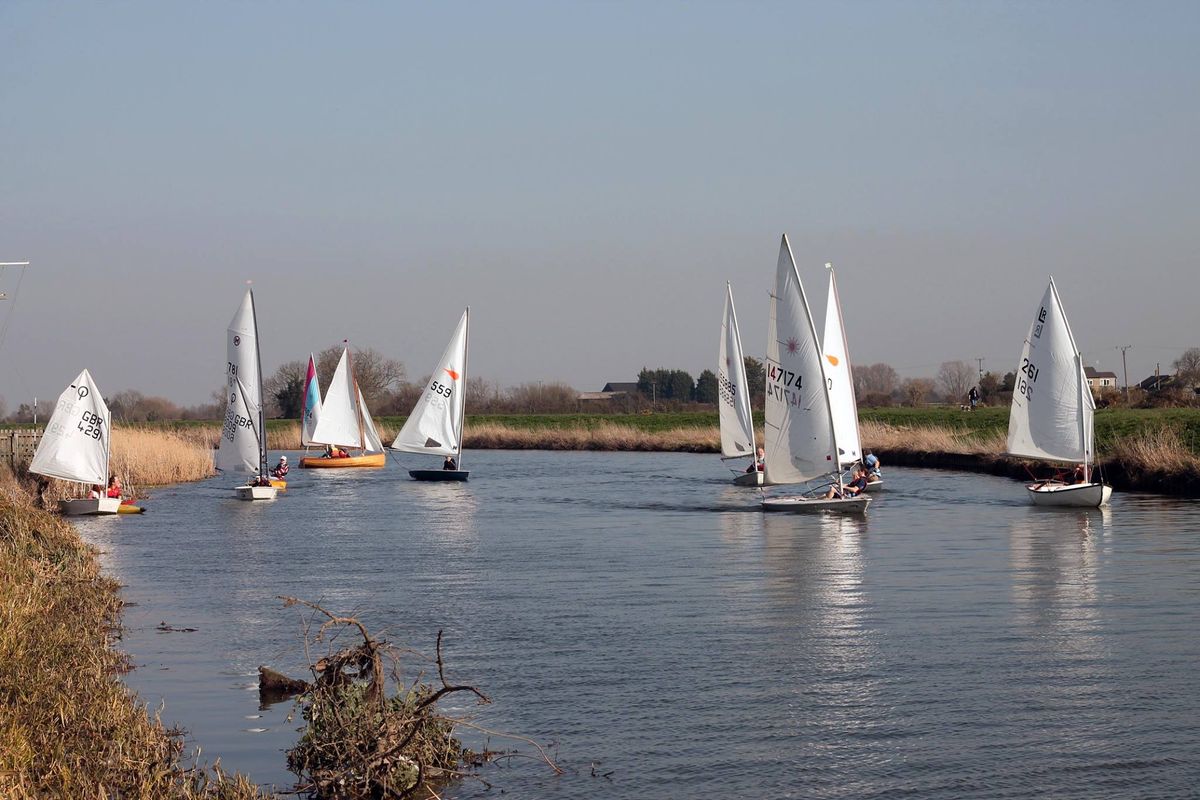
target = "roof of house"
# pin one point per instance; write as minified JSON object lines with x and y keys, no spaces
{"x":1093,"y":373}
{"x":619,"y":386}
{"x":1156,"y":381}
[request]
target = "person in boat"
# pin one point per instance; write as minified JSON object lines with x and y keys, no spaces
{"x":449,"y":463}
{"x":335,"y":452}
{"x":856,"y":486}
{"x":281,"y":469}
{"x":871,"y":464}
{"x":114,"y":486}
{"x":760,"y":461}
{"x":1080,"y":475}
{"x":96,"y":493}
{"x":261,"y":480}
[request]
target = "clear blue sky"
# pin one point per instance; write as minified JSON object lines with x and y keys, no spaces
{"x":587,"y":176}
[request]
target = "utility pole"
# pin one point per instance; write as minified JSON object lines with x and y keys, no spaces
{"x":980,"y":360}
{"x":1124,"y":367}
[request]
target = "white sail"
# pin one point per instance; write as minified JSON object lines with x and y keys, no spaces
{"x":338,"y":424}
{"x":435,"y":424}
{"x":1052,"y":409}
{"x":240,"y":446}
{"x":374,"y":443}
{"x":311,"y":412}
{"x":74,"y":446}
{"x":839,"y":379}
{"x":733,"y":394}
{"x":241,"y":350}
{"x":800,"y":441}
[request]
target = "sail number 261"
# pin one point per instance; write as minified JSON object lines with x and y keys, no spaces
{"x":1028,"y":375}
{"x":91,"y":425}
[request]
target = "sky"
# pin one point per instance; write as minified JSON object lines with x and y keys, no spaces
{"x":587,"y":176}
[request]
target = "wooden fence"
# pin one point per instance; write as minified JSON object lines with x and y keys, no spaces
{"x":17,"y":446}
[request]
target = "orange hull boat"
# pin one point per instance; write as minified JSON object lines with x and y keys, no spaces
{"x":365,"y":460}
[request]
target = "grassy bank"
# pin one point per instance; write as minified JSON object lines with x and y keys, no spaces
{"x":68,"y":727}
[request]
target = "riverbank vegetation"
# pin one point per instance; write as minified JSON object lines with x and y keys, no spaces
{"x":68,"y":726}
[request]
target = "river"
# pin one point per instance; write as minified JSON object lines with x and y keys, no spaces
{"x":662,"y":637}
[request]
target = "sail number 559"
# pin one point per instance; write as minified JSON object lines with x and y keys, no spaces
{"x":440,"y":388}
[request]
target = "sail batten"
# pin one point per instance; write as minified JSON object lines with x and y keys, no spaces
{"x":435,"y":425}
{"x":75,"y":445}
{"x":1051,"y":416}
{"x":737,"y":421}
{"x":801,"y":443}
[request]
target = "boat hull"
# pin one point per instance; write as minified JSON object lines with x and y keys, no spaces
{"x":279,"y":484}
{"x":439,"y":474}
{"x":749,"y":479}
{"x":256,"y":492}
{"x":1067,"y":495}
{"x":367,"y":460}
{"x":802,"y":505}
{"x":875,"y":486}
{"x":82,"y":506}
{"x":129,"y":508}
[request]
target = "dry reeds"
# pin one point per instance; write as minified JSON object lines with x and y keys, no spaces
{"x":1157,"y":451}
{"x":68,"y":727}
{"x":153,"y":457}
{"x":927,"y":439}
{"x":601,"y":437}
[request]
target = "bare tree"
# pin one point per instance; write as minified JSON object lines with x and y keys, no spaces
{"x":915,"y":390}
{"x":874,"y":379}
{"x":955,"y":378}
{"x":376,"y":375}
{"x":1187,"y":368}
{"x":284,"y":391}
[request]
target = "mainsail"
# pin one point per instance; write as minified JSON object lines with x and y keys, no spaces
{"x":240,"y":446}
{"x":312,"y":403}
{"x":800,"y":440}
{"x":74,"y":446}
{"x":1051,"y":416}
{"x":435,"y":425}
{"x":737,"y":423}
{"x":338,"y":424}
{"x":839,"y":379}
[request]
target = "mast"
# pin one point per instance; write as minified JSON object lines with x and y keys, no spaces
{"x":362,"y":439}
{"x":262,"y":423}
{"x":744,"y":390}
{"x":1080,"y":379}
{"x":462,"y":414}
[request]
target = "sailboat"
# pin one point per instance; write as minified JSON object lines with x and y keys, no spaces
{"x":75,"y":447}
{"x":345,"y":422}
{"x":801,"y":438}
{"x":435,"y":425}
{"x":244,"y":435}
{"x":311,"y":412}
{"x":1052,"y":412}
{"x":733,"y":396}
{"x":840,"y":382}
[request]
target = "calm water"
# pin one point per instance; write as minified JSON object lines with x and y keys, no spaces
{"x":635,"y":612}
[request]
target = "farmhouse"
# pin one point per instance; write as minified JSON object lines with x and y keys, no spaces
{"x":1100,"y":380}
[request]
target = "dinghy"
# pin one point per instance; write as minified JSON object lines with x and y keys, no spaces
{"x":75,"y":447}
{"x":801,"y":439}
{"x":733,"y":397}
{"x":345,"y":423}
{"x":244,"y":435}
{"x":840,"y":381}
{"x":1052,"y":413}
{"x":435,"y":425}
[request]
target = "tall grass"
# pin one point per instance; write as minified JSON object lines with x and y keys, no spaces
{"x":68,"y":727}
{"x":601,"y":437}
{"x":932,"y":439}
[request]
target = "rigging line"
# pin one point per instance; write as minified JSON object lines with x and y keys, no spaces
{"x":13,"y":308}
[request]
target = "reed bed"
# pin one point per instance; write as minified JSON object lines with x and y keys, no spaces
{"x":931,"y":439}
{"x":1158,"y":452}
{"x":68,"y":726}
{"x":492,"y":436}
{"x":155,"y":457}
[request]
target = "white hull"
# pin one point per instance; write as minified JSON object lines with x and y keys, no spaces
{"x":1074,"y":495}
{"x":848,"y":505}
{"x":875,"y":486}
{"x":749,"y":479}
{"x":256,"y":492}
{"x":81,"y":506}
